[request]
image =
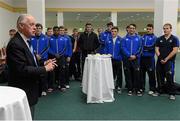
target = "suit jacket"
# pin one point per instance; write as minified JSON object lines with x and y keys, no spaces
{"x":23,"y":72}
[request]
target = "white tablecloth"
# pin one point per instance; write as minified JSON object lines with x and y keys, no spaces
{"x":98,"y":81}
{"x":13,"y":104}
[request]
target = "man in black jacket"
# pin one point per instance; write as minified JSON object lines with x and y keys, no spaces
{"x":23,"y":68}
{"x":88,"y":42}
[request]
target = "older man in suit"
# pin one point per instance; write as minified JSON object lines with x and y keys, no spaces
{"x":24,"y":71}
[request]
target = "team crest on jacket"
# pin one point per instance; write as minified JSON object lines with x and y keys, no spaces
{"x":161,"y":41}
{"x":170,"y":40}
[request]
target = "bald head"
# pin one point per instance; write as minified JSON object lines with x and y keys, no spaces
{"x":26,"y":25}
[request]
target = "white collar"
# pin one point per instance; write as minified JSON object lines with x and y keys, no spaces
{"x":115,"y":38}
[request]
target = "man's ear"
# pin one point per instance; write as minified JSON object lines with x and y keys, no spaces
{"x":21,"y":25}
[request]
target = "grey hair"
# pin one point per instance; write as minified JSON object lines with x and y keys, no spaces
{"x":22,"y":18}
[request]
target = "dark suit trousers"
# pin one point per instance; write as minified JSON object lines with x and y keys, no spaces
{"x":165,"y":71}
{"x":132,"y":74}
{"x":117,"y":72}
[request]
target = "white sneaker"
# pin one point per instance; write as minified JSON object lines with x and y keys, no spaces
{"x":50,"y":90}
{"x":141,"y":90}
{"x":155,"y":94}
{"x":67,"y":86}
{"x":43,"y":93}
{"x":59,"y":86}
{"x":139,"y":93}
{"x":63,"y":89}
{"x":172,"y":97}
{"x":119,"y":90}
{"x":130,"y":93}
{"x":150,"y":92}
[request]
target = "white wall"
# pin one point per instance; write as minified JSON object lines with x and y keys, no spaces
{"x":7,"y":22}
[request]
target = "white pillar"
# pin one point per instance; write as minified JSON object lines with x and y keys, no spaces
{"x":37,"y":9}
{"x":165,"y":11}
{"x":60,"y":19}
{"x":114,"y":18}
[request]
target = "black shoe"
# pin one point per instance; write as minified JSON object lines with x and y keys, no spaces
{"x":118,"y":89}
{"x":139,"y":93}
{"x":130,"y":93}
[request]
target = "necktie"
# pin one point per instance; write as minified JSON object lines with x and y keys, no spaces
{"x":31,"y":49}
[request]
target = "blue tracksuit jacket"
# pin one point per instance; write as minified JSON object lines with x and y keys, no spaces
{"x":104,"y":37}
{"x":114,"y":49}
{"x":131,"y":45}
{"x":148,"y":45}
{"x":40,"y":46}
{"x":60,"y":45}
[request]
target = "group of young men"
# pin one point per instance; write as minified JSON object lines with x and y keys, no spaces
{"x":32,"y":57}
{"x":133,"y":53}
{"x":59,"y":46}
{"x":137,"y":55}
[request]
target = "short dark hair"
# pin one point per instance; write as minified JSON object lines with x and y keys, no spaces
{"x":168,"y":24}
{"x":132,"y":25}
{"x":150,"y":25}
{"x":62,"y":27}
{"x":75,"y":29}
{"x":39,"y":25}
{"x":110,"y":23}
{"x":66,"y":29}
{"x":127,"y":26}
{"x":55,"y":27}
{"x":12,"y":30}
{"x":88,"y":24}
{"x":49,"y":28}
{"x":115,"y":27}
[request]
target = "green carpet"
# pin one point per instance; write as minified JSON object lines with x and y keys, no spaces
{"x":72,"y":105}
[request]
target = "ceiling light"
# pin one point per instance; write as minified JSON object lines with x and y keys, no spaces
{"x":80,"y":29}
